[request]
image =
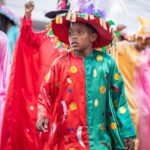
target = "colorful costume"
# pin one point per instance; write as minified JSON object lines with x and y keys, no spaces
{"x":85,"y":101}
{"x":142,"y":86}
{"x":4,"y":72}
{"x":127,"y":58}
{"x":142,"y":94}
{"x":33,"y":55}
{"x":84,"y":97}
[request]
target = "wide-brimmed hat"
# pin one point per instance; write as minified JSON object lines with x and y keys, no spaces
{"x":62,"y":7}
{"x":7,"y":12}
{"x":87,"y":13}
{"x":61,"y":24}
{"x":53,"y":14}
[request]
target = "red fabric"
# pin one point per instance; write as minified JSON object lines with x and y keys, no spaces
{"x":55,"y":93}
{"x":115,"y":89}
{"x":33,"y":56}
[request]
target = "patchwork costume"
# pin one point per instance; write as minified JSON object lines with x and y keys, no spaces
{"x":85,"y":101}
{"x":84,"y":97}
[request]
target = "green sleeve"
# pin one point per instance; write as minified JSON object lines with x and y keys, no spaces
{"x":120,"y":103}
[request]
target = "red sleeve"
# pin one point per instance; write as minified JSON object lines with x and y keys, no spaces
{"x":48,"y":92}
{"x":32,"y":39}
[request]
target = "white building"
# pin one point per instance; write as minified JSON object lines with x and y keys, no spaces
{"x":128,"y":10}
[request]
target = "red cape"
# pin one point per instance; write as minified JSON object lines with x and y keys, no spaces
{"x":32,"y":58}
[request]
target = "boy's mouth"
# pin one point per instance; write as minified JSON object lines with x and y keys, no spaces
{"x":74,"y":44}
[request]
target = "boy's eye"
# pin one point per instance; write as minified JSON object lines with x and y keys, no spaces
{"x":80,"y":32}
{"x":75,"y":33}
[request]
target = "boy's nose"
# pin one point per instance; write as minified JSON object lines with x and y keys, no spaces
{"x":74,"y":36}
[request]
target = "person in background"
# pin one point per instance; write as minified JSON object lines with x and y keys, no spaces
{"x":9,"y":23}
{"x":4,"y":73}
{"x":127,"y":55}
{"x":33,"y":55}
{"x":142,"y":85}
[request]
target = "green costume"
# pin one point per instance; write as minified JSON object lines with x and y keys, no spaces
{"x":88,"y":109}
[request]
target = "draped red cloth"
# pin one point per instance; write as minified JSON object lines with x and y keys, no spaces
{"x":33,"y":55}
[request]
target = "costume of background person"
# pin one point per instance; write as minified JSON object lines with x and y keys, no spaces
{"x":142,"y":86}
{"x":4,"y":73}
{"x":33,"y":56}
{"x":127,"y":57}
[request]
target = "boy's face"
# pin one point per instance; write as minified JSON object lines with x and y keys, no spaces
{"x":81,"y":36}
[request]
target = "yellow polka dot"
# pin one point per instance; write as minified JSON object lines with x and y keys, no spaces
{"x":94,"y":73}
{"x":113,"y":125}
{"x":99,"y":58}
{"x":102,"y":89}
{"x":122,"y":110}
{"x":102,"y":127}
{"x":47,"y":76}
{"x":115,"y":102}
{"x":72,"y":148}
{"x":116,"y":76}
{"x":73,"y":106}
{"x":69,"y":81}
{"x":73,"y":69}
{"x":96,"y":103}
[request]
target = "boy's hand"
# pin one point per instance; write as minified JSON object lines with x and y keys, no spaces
{"x":42,"y":124}
{"x":129,"y":144}
{"x":29,"y":6}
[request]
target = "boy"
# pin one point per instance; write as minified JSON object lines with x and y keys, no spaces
{"x":82,"y":99}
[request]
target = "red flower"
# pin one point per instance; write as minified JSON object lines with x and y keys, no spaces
{"x":62,"y":4}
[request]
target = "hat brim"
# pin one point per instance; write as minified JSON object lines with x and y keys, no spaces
{"x":105,"y":36}
{"x":10,"y":15}
{"x":53,"y":14}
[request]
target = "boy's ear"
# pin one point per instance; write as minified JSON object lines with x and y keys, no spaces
{"x":94,"y":37}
